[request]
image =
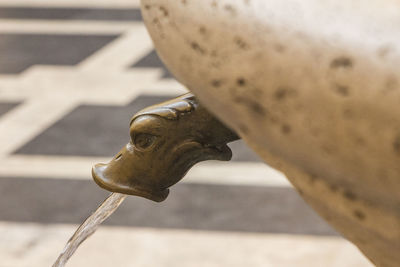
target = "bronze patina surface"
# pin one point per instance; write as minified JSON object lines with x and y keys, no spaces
{"x":166,"y":141}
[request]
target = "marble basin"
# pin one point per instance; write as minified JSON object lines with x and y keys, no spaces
{"x":313,"y":87}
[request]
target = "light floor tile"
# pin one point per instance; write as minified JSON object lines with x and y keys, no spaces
{"x":31,"y":245}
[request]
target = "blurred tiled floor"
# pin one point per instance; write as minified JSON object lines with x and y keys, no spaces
{"x":72,"y":73}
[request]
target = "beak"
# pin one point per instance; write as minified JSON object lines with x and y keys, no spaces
{"x":120,"y":175}
{"x":218,"y":152}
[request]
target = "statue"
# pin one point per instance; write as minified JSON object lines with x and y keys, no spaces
{"x":166,"y":141}
{"x":312,"y":86}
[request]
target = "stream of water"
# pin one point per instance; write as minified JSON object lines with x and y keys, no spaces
{"x":89,"y":226}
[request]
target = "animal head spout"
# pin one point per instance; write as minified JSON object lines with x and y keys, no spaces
{"x":166,"y":141}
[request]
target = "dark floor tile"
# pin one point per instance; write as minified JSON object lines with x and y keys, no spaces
{"x":55,"y":13}
{"x":5,"y":107}
{"x":101,"y":131}
{"x":189,"y":206}
{"x":151,"y":60}
{"x":89,"y":130}
{"x":20,"y":51}
{"x":241,"y":152}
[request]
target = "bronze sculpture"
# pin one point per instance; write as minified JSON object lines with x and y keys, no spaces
{"x":166,"y":141}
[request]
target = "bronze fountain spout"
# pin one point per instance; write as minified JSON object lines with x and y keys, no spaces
{"x":166,"y":141}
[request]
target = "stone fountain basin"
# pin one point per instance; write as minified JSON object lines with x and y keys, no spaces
{"x":313,"y":87}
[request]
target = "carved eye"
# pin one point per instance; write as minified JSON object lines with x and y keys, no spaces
{"x":143,"y":141}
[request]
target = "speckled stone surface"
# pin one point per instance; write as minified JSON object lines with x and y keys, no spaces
{"x":313,"y":87}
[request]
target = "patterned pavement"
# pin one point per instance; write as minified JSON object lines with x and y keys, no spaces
{"x":72,"y":73}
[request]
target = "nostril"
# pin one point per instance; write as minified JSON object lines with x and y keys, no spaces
{"x":118,"y":157}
